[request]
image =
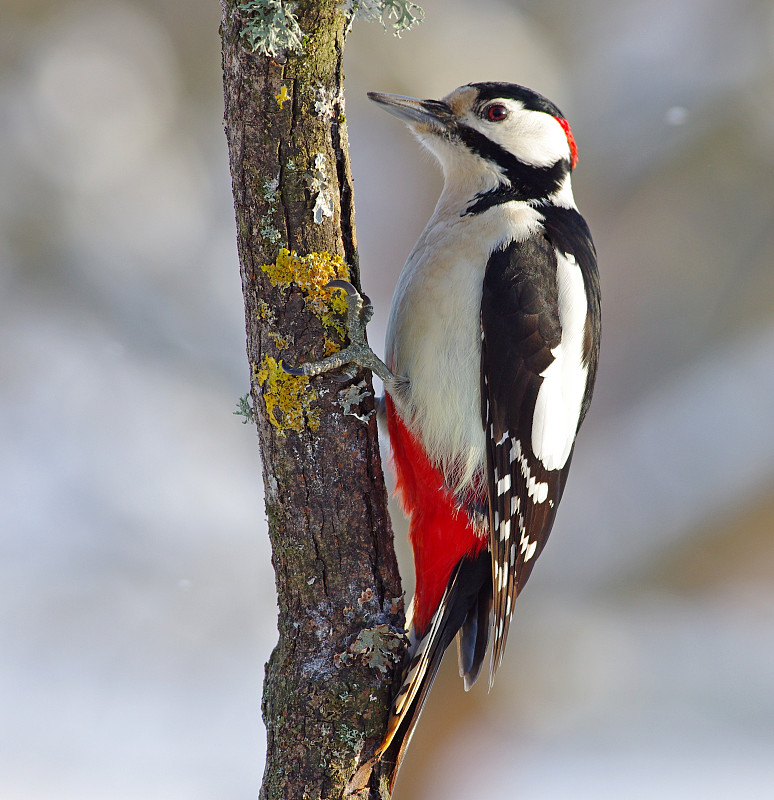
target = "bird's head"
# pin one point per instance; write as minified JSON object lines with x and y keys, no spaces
{"x":493,"y":139}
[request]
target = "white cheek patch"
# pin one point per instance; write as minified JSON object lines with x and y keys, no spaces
{"x":534,"y":137}
{"x":559,"y":400}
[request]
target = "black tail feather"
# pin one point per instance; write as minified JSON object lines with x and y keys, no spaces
{"x":473,"y":636}
{"x":466,"y":603}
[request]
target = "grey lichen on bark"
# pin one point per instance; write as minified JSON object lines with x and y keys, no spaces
{"x":327,"y":687}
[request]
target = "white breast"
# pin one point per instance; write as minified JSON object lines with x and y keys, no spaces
{"x":434,"y":332}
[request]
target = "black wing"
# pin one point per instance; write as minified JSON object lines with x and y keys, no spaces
{"x":520,"y":322}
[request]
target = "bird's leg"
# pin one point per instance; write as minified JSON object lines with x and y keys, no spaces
{"x":357,"y":353}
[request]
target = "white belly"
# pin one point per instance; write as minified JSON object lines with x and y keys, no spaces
{"x":434,"y":334}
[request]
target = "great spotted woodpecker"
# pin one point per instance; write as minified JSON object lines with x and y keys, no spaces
{"x":492,"y":349}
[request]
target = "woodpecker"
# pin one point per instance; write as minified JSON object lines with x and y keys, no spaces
{"x":491,"y":353}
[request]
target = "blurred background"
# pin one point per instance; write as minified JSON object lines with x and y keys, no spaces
{"x":136,"y":592}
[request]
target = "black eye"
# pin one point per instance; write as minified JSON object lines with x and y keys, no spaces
{"x":496,"y":112}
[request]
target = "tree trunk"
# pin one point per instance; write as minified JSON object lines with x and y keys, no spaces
{"x":329,"y":680}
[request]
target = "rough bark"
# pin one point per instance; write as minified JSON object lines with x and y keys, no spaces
{"x":329,"y":680}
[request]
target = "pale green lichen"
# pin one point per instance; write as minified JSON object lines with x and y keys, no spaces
{"x":402,"y":14}
{"x":318,"y":183}
{"x":268,"y":231}
{"x":326,"y":100}
{"x":271,"y":195}
{"x":288,"y":398}
{"x":271,"y":189}
{"x":379,"y":648}
{"x":270,"y":27}
{"x":352,"y":739}
{"x":245,"y":409}
{"x":351,"y":398}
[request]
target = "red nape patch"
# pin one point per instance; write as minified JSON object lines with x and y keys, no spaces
{"x":570,"y":141}
{"x":440,"y":533}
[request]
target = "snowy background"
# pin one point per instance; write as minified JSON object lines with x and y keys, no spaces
{"x":136,"y":593}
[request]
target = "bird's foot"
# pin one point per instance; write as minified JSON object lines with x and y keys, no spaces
{"x":357,"y":353}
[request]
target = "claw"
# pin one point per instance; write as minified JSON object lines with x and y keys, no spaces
{"x":296,"y":372}
{"x":357,"y":353}
{"x":347,"y":374}
{"x":359,"y":306}
{"x":345,"y":285}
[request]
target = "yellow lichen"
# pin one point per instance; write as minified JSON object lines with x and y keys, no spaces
{"x":311,"y":273}
{"x":280,"y":341}
{"x":288,"y":399}
{"x":264,"y":312}
{"x":282,"y":97}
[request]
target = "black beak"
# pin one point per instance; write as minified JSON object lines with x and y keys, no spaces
{"x":432,"y":115}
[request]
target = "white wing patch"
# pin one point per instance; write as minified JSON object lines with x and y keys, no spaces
{"x":560,"y":397}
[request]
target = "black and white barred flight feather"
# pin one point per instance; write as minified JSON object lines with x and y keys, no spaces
{"x":539,"y":312}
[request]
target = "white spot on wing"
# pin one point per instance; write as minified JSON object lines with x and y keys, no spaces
{"x":541,"y":492}
{"x":536,"y":490}
{"x":527,"y":548}
{"x":502,"y":579}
